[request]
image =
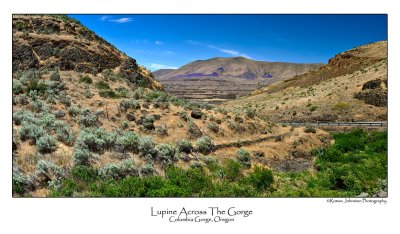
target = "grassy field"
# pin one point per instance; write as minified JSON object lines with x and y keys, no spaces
{"x":355,"y":163}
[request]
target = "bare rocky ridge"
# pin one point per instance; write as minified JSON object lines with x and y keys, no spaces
{"x":219,"y":79}
{"x":351,"y":87}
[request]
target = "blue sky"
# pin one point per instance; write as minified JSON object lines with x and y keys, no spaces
{"x":171,"y":41}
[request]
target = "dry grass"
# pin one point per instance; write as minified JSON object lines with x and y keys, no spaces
{"x":282,"y":102}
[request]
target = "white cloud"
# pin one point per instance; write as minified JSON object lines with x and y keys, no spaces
{"x":122,"y":20}
{"x":246,"y":56}
{"x":105,"y":17}
{"x":228,"y":51}
{"x":223,"y":50}
{"x":231,"y":52}
{"x":159,"y":43}
{"x":156,"y":66}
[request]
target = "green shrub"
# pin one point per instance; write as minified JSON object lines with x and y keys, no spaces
{"x":213,"y":127}
{"x":138,"y":93}
{"x":36,"y":85}
{"x":84,"y":173}
{"x":81,"y":156}
{"x":108,"y":74}
{"x":88,"y":119}
{"x":212,"y":163}
{"x":166,"y":154}
{"x":17,"y":87}
{"x":96,"y":140}
{"x":244,"y":158}
{"x":147,"y":170}
{"x":310,"y":129}
{"x":87,"y":93}
{"x":185,"y":117}
{"x":184,"y":146}
{"x":129,"y":141}
{"x":49,"y":172}
{"x":313,"y":108}
{"x":251,"y":113}
{"x":102,"y":85}
{"x":59,"y":114}
{"x":55,"y":76}
{"x":125,"y":105}
{"x":37,"y":106}
{"x":193,"y":180}
{"x":236,"y":127}
{"x":147,"y":146}
{"x":74,"y":111}
{"x":46,"y":144}
{"x":22,"y":99}
{"x":205,"y":145}
{"x":162,"y":130}
{"x":118,"y":170}
{"x":124,"y":125}
{"x":148,"y":122}
{"x":108,"y":93}
{"x":66,"y":135}
{"x":23,"y":116}
{"x":30,"y":131}
{"x":86,"y":80}
{"x":122,"y":92}
{"x":261,"y":178}
{"x":65,"y":99}
{"x":21,"y":183}
{"x":340,"y":106}
{"x":231,"y":170}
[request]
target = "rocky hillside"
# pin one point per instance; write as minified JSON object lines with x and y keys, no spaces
{"x":51,"y":42}
{"x":82,"y":108}
{"x":218,"y":79}
{"x":351,"y":87}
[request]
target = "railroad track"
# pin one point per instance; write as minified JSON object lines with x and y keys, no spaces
{"x":357,"y":124}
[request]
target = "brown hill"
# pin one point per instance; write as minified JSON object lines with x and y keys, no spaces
{"x":51,"y":42}
{"x":80,"y":103}
{"x":351,"y":87}
{"x":217,"y":79}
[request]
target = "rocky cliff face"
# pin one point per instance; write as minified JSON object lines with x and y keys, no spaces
{"x":351,"y":87}
{"x":52,"y":41}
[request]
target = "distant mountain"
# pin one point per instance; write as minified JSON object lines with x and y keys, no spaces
{"x":237,"y":67}
{"x":226,"y":78}
{"x":162,"y":72}
{"x":351,"y":87}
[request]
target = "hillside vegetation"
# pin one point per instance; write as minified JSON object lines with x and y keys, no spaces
{"x":85,"y":114}
{"x":351,"y":87}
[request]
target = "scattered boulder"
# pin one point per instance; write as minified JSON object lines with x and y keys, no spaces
{"x":375,"y":97}
{"x":145,"y":105}
{"x":381,"y":194}
{"x":238,"y":119}
{"x":363,"y":195}
{"x":184,"y":157}
{"x":372,"y":84}
{"x":194,"y":131}
{"x":258,"y":154}
{"x":130,"y":117}
{"x":196,"y":114}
